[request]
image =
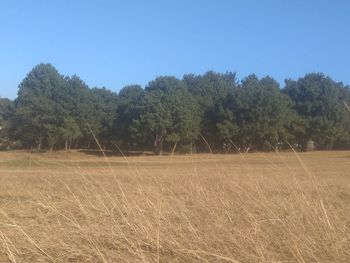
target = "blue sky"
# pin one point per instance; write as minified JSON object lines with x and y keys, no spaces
{"x":115,"y":43}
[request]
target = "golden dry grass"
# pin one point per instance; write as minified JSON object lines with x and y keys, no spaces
{"x":196,"y":208}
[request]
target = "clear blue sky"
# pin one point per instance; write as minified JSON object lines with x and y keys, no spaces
{"x":115,"y":43}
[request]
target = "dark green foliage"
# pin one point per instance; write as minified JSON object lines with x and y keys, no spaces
{"x":210,"y":88}
{"x":4,"y":110}
{"x":210,"y":91}
{"x":255,"y":115}
{"x":57,"y":112}
{"x":5,"y":113}
{"x":77,"y":102}
{"x":127,"y":112}
{"x":37,"y":117}
{"x":168,"y":114}
{"x":102,"y":112}
{"x":319,"y":101}
{"x":263,"y":114}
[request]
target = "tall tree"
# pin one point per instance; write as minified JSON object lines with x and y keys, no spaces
{"x":168,"y":114}
{"x":263,"y":113}
{"x":210,"y":91}
{"x":63,"y":112}
{"x":74,"y":98}
{"x":37,"y":117}
{"x":102,"y":115}
{"x":319,"y":102}
{"x":4,"y":109}
{"x":128,"y":111}
{"x":5,"y":115}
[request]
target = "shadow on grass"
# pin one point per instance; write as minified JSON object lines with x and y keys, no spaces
{"x":110,"y":153}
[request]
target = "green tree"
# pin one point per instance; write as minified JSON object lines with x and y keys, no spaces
{"x":128,"y":111}
{"x":210,"y":91}
{"x":4,"y":110}
{"x":226,"y":126}
{"x":263,"y":113}
{"x":86,"y":111}
{"x":168,"y":114}
{"x":37,"y":117}
{"x":318,"y":100}
{"x":77,"y":101}
{"x":5,"y":115}
{"x":102,"y":113}
{"x":69,"y":132}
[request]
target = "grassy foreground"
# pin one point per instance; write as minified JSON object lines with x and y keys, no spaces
{"x":196,"y":208}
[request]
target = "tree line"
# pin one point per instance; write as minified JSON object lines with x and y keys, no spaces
{"x":214,"y":111}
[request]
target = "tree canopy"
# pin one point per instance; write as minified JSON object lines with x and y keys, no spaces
{"x":319,"y":101}
{"x":213,"y":110}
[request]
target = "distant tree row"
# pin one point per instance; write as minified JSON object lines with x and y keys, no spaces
{"x":212,"y":111}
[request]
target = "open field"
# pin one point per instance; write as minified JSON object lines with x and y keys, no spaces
{"x":261,"y":207}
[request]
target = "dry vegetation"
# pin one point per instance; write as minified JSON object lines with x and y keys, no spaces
{"x":196,"y":208}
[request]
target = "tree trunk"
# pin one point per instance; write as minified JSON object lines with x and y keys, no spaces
{"x":51,"y":147}
{"x":158,"y":145}
{"x":38,"y":144}
{"x":249,"y":147}
{"x":174,"y":148}
{"x":66,"y":145}
{"x":330,"y":145}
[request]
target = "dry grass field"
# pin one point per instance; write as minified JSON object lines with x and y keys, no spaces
{"x":259,"y":207}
